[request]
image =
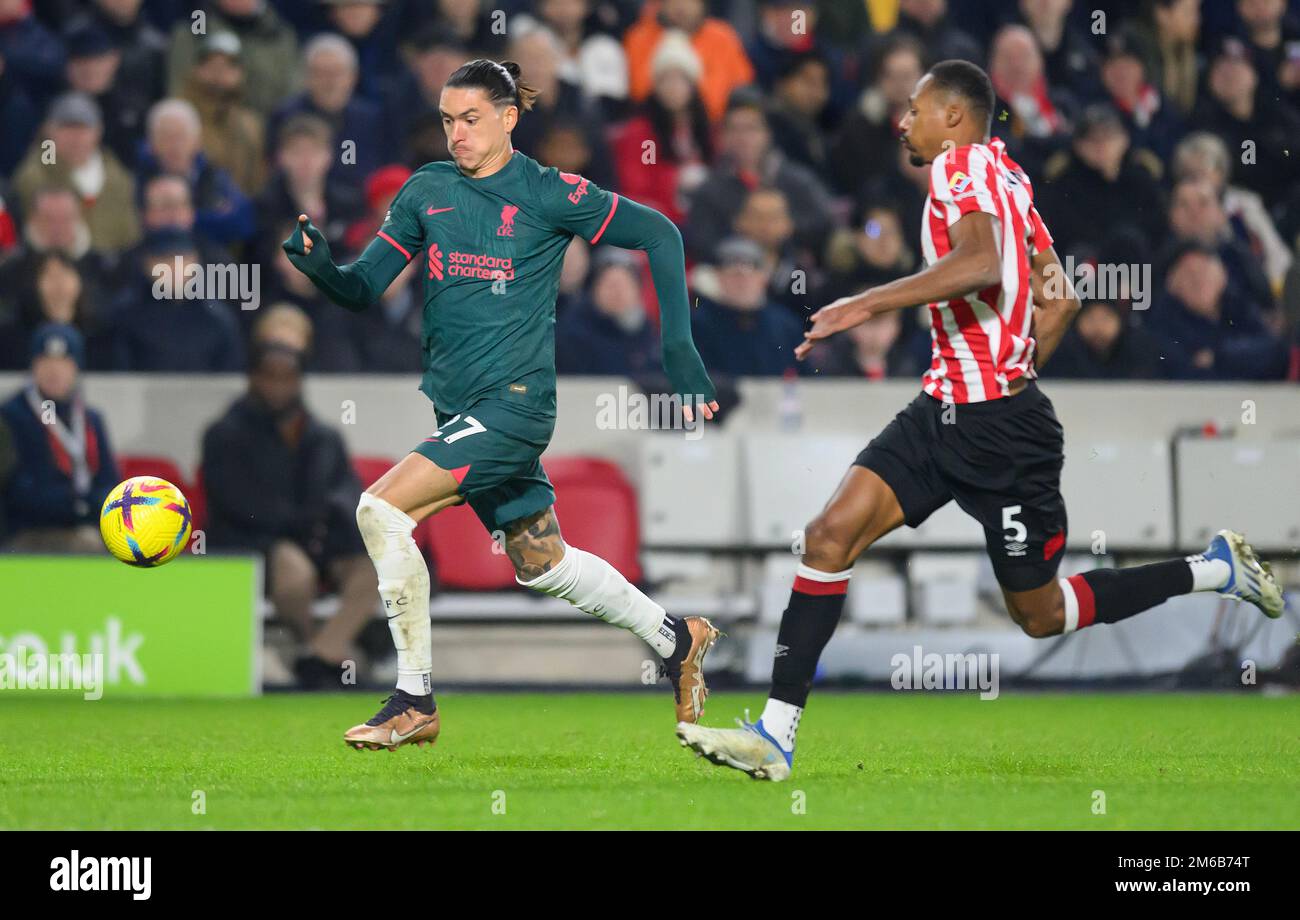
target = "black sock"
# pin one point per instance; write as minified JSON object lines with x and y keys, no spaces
{"x":422,"y":704}
{"x":806,"y":626}
{"x":1111,"y":595}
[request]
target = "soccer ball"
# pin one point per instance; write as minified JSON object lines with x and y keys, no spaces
{"x":145,"y":521}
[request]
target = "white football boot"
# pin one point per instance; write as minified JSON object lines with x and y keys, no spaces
{"x":749,"y":748}
{"x":1251,"y":580}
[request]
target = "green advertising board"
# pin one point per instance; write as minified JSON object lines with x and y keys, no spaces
{"x":190,"y":628}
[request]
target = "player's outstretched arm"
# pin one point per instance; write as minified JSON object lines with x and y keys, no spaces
{"x":634,"y":226}
{"x":1055,"y":303}
{"x":354,"y":286}
{"x":972,"y":264}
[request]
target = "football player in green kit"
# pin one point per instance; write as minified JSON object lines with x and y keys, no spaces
{"x":489,"y":230}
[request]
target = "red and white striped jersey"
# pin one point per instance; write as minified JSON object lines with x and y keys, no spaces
{"x":981,"y":342}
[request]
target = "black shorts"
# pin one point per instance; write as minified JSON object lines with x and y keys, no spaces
{"x":999,"y":460}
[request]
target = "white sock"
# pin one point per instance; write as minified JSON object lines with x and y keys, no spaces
{"x":404,"y":586}
{"x":782,"y":722}
{"x":594,"y":586}
{"x":1208,"y":574}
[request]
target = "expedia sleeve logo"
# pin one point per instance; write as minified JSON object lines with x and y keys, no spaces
{"x":576,"y":195}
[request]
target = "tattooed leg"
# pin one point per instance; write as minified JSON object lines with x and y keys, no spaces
{"x":545,"y":563}
{"x":534,"y":545}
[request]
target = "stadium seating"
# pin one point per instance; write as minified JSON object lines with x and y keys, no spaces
{"x":597,"y":510}
{"x":464,"y":556}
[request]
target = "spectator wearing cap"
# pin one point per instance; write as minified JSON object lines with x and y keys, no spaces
{"x":1151,"y":123}
{"x":1104,"y":345}
{"x":304,"y":183}
{"x":865,"y":146}
{"x":32,"y":54}
{"x":724,"y":64}
{"x":1203,"y":156}
{"x":269,"y":50}
{"x":738,"y":329}
{"x":1102,"y":190}
{"x":1245,"y":118}
{"x":1207,"y":330}
{"x":95,"y":68}
{"x":223,"y":213}
{"x":82,"y":163}
{"x":591,"y":60}
{"x":746,"y":160}
{"x":65,"y":465}
{"x":296,"y":506}
{"x":673,"y":126}
{"x":607,"y":332}
{"x":233,"y":134}
{"x":53,"y":224}
{"x":331,"y":70}
{"x":154,"y":332}
{"x":1197,"y":215}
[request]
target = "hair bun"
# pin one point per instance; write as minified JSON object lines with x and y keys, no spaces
{"x":512,"y":68}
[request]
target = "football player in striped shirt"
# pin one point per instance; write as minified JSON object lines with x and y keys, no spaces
{"x":488,"y":230}
{"x":980,"y":433}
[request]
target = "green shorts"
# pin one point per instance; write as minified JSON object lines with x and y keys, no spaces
{"x":494,"y":449}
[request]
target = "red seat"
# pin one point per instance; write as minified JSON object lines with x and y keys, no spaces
{"x":462,"y":552}
{"x":597,"y":510}
{"x":133,"y":465}
{"x":369,"y":469}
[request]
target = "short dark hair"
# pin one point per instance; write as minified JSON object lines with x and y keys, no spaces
{"x":968,"y":81}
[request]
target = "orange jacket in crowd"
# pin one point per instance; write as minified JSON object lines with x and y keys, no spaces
{"x":722,"y":53}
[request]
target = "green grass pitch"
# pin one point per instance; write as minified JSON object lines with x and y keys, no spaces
{"x":875,"y":760}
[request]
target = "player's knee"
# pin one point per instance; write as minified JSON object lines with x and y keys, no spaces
{"x":379,"y":522}
{"x":827,"y":546}
{"x":1037,"y":620}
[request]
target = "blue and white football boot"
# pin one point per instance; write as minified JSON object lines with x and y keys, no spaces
{"x":749,"y":748}
{"x":1251,"y":580}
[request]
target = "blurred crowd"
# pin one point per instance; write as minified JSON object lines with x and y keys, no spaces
{"x":138,"y":137}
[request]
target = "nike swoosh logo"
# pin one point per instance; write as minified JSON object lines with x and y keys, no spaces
{"x":395,"y":738}
{"x":438,"y":210}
